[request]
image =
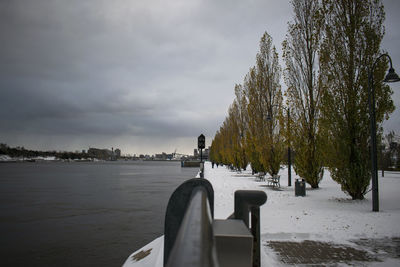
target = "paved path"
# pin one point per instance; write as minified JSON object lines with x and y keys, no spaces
{"x":317,"y":253}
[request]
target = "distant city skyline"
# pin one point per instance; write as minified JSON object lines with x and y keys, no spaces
{"x":112,"y":150}
{"x":142,"y":76}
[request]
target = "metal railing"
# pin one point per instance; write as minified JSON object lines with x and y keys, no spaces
{"x":195,"y":244}
{"x":189,"y":239}
{"x":249,"y":202}
{"x":185,"y":207}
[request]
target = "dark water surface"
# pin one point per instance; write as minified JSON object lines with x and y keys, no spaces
{"x":82,"y":214}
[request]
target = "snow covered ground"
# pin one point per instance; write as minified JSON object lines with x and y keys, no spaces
{"x":325,"y":214}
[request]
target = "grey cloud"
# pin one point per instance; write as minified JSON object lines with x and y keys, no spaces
{"x":128,"y":71}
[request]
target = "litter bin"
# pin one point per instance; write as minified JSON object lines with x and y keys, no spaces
{"x":300,"y":188}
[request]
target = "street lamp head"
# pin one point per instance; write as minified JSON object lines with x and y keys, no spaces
{"x":391,"y":77}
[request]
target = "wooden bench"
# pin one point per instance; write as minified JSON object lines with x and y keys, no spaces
{"x":274,"y":180}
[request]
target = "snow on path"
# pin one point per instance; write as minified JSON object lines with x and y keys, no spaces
{"x":323,"y":214}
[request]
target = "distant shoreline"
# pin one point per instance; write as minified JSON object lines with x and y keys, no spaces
{"x":83,"y":161}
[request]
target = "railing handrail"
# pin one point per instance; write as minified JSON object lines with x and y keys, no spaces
{"x":195,"y":244}
{"x":188,"y":234}
{"x":179,"y":204}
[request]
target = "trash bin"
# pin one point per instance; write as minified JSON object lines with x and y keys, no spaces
{"x":300,"y":188}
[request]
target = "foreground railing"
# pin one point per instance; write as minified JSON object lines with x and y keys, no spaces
{"x":249,"y":201}
{"x":193,"y":238}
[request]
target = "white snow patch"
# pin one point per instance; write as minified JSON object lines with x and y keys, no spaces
{"x":5,"y":158}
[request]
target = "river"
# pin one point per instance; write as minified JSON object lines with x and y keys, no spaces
{"x":83,"y":214}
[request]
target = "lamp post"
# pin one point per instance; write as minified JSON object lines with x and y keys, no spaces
{"x":289,"y":150}
{"x":391,"y":76}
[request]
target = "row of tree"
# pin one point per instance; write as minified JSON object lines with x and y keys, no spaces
{"x":28,"y":153}
{"x":327,"y":51}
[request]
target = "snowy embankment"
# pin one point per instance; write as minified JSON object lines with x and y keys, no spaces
{"x":6,"y":158}
{"x":324,"y":214}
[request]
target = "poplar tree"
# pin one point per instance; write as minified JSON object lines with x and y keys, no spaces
{"x":234,"y":156}
{"x":242,"y":120}
{"x":215,"y":149}
{"x":264,"y":101}
{"x":300,"y":52}
{"x":256,"y":117}
{"x":353,"y":34}
{"x":227,"y":145}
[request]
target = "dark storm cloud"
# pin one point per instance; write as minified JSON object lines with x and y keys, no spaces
{"x":111,"y":68}
{"x":65,"y":62}
{"x":78,"y":73}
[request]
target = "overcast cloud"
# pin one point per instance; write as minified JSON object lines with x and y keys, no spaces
{"x":145,"y":76}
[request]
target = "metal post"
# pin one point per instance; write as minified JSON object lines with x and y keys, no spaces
{"x":371,"y":98}
{"x":381,"y":151}
{"x":250,"y":201}
{"x":289,"y":155}
{"x":255,"y":231}
{"x":290,"y":168}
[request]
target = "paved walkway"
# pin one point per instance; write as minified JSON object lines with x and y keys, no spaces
{"x":317,"y":253}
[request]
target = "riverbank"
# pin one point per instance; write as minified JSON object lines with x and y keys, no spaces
{"x":325,"y":219}
{"x":8,"y":159}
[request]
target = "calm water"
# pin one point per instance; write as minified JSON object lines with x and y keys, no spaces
{"x":82,"y":214}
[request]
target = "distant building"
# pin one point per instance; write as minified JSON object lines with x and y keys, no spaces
{"x":204,"y":155}
{"x":98,"y":153}
{"x":162,"y":156}
{"x":117,"y":152}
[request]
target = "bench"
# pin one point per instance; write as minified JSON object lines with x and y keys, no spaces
{"x":274,"y":180}
{"x":260,"y":176}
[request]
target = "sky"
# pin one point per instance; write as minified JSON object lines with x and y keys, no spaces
{"x":144,"y":76}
